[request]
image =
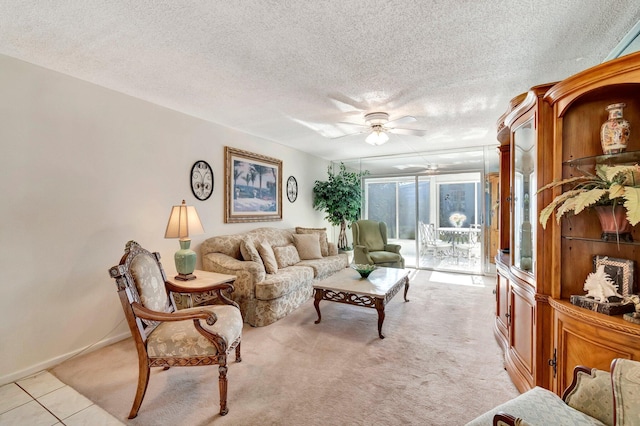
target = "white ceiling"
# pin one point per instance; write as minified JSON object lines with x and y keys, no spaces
{"x":290,"y":70}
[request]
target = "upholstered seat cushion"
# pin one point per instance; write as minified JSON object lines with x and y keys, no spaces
{"x":384,"y":257}
{"x":326,"y":266}
{"x":180,"y":338}
{"x":284,"y":282}
{"x":540,"y":404}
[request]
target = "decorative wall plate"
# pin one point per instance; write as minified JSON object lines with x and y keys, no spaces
{"x":201,"y":180}
{"x":292,"y":189}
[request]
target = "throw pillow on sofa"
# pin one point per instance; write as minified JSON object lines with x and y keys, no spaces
{"x":286,"y":256}
{"x":308,"y":246}
{"x":268,"y":258}
{"x":322,"y":235}
{"x":248,"y":250}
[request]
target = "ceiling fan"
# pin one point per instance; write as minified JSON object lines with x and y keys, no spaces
{"x":378,"y":125}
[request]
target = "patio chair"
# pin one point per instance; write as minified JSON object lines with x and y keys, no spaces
{"x":431,"y":244}
{"x":470,"y":246}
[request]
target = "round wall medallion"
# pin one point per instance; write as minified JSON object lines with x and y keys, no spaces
{"x":292,"y":189}
{"x":201,"y":180}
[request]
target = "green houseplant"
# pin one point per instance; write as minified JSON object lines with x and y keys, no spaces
{"x":340,"y":197}
{"x":611,"y":188}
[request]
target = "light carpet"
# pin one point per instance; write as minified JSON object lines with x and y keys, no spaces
{"x":438,"y":365}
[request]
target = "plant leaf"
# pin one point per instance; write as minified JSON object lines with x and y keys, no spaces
{"x":546,"y":212}
{"x":612,"y":172}
{"x":587,"y":198}
{"x":632,"y":204}
{"x":563,"y":182}
{"x":616,"y":191}
{"x":567,"y":206}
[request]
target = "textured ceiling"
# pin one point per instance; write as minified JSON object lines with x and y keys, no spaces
{"x":291,"y":70}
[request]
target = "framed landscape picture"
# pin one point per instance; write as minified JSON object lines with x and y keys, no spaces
{"x":253,"y":187}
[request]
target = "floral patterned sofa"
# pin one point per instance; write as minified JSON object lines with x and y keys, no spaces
{"x":275,"y":268}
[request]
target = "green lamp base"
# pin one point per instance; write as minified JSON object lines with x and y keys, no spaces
{"x":185,"y":259}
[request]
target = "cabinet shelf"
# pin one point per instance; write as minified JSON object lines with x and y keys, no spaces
{"x":629,"y":157}
{"x":598,"y":240}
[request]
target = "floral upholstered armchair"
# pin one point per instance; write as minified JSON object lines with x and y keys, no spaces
{"x":595,"y":397}
{"x":167,"y":337}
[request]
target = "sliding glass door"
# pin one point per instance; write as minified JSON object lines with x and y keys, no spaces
{"x":449,"y":205}
{"x":438,"y":206}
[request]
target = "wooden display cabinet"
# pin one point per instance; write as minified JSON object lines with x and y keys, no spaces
{"x":543,"y":335}
{"x":579,"y":109}
{"x":520,"y":294}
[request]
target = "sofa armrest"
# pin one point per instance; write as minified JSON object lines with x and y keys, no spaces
{"x":248,"y":274}
{"x":216,"y":262}
{"x":395,"y":248}
{"x":361,"y":255}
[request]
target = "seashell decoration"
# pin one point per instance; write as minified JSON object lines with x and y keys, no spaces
{"x":600,"y":286}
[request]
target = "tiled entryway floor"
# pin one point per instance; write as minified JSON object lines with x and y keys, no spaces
{"x":42,"y":399}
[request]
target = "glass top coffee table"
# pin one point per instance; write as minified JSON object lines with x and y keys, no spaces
{"x":375,"y":291}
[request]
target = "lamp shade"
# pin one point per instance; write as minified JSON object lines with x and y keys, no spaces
{"x":183,"y":221}
{"x":377,"y":137}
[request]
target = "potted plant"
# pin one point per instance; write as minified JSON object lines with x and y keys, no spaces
{"x":340,"y":197}
{"x":614,"y":192}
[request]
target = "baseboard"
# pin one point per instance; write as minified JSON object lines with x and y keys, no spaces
{"x":60,"y":359}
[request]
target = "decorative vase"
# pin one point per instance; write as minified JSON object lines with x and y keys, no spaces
{"x":614,"y":223}
{"x":614,"y":133}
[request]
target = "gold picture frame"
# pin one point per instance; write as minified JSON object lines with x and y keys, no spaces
{"x":253,"y":187}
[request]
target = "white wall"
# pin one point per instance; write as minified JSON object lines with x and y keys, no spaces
{"x":84,"y":169}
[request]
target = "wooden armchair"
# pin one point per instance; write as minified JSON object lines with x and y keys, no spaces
{"x":594,"y":397}
{"x":167,"y":337}
{"x":370,"y":245}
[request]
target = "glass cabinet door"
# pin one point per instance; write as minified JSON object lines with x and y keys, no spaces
{"x":523,"y":186}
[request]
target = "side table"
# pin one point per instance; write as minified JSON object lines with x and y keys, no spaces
{"x":202,"y":285}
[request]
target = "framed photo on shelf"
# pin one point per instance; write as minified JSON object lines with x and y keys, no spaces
{"x":253,"y":187}
{"x":621,"y":271}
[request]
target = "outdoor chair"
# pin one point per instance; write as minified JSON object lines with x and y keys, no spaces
{"x":167,"y":337}
{"x":431,"y":244}
{"x":470,"y":246}
{"x":370,"y":245}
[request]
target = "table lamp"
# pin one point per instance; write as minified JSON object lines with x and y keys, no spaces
{"x":184,"y":221}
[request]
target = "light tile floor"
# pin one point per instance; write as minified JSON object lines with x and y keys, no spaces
{"x":42,"y":399}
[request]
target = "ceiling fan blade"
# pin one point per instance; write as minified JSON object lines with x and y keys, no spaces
{"x":346,"y":123}
{"x":402,"y":120}
{"x":351,"y":134}
{"x":410,"y":132}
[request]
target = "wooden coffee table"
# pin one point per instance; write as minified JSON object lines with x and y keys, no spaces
{"x":376,"y":291}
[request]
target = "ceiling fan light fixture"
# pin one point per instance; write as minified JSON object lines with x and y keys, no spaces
{"x":377,"y":137}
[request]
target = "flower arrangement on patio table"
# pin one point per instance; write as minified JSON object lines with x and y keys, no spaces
{"x":610,"y":186}
{"x":457,"y":219}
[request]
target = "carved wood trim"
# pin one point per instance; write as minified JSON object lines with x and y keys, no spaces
{"x":350,"y":298}
{"x":594,"y":318}
{"x":542,"y":298}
